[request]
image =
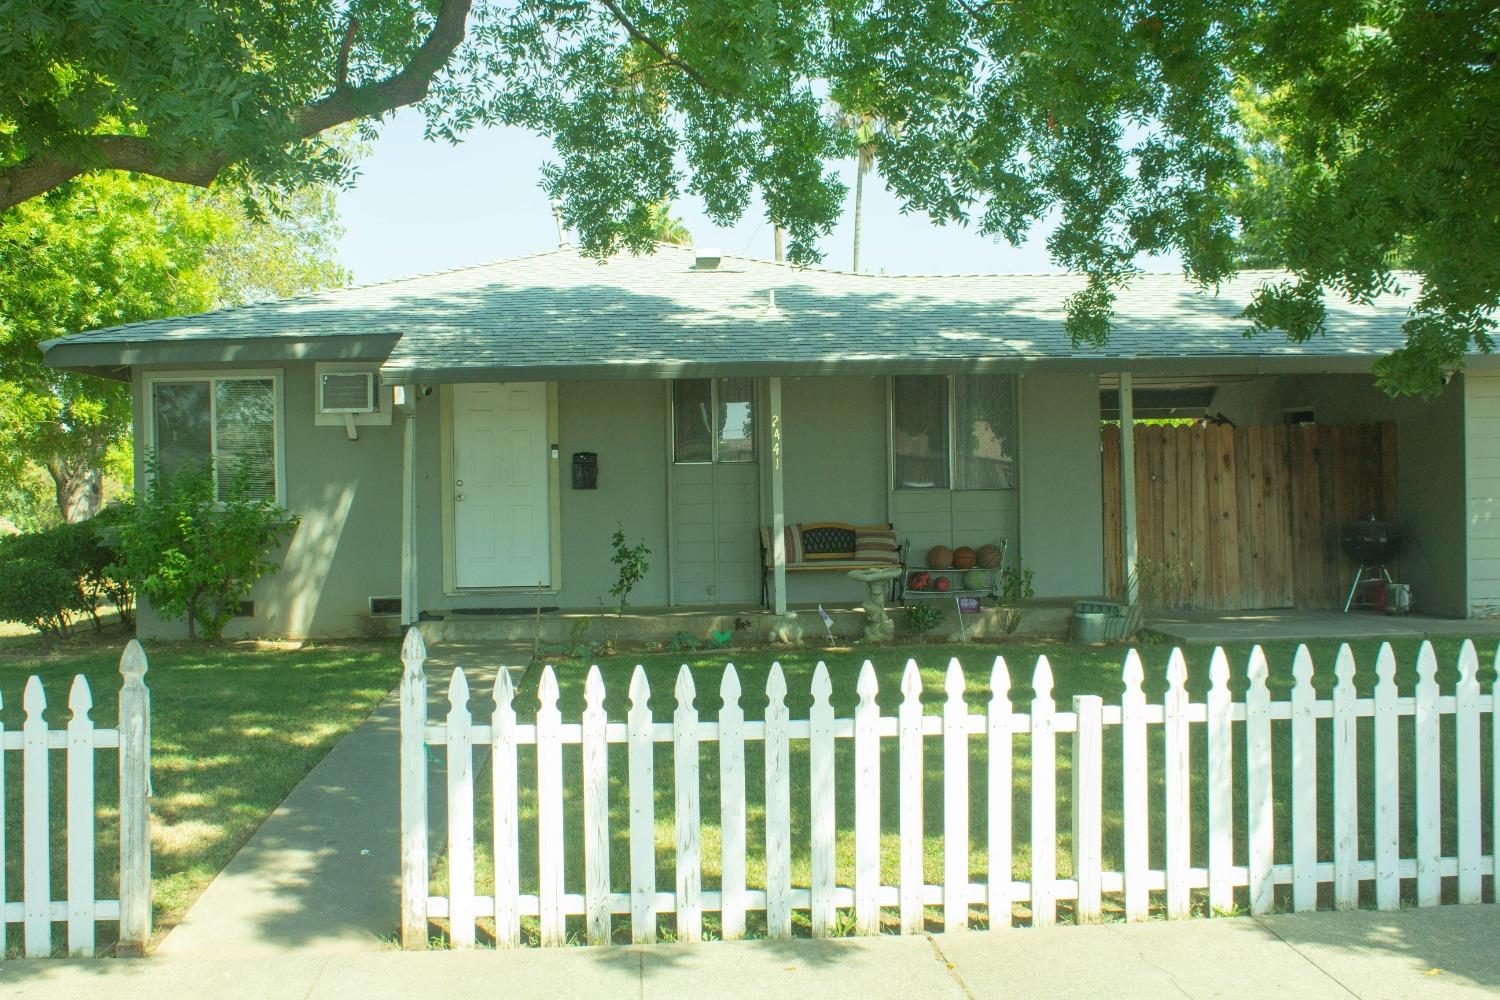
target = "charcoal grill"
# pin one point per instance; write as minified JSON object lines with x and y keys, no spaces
{"x":1371,"y":545}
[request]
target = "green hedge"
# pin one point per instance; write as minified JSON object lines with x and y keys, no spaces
{"x":54,"y":578}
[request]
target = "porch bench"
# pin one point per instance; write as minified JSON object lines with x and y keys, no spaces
{"x":832,"y":547}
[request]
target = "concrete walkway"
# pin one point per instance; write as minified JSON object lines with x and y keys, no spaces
{"x":323,"y":871}
{"x":1293,"y":624}
{"x":1439,"y":953}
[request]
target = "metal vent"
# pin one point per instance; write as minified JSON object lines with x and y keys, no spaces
{"x":380,"y":606}
{"x":347,"y":392}
{"x":707,"y":259}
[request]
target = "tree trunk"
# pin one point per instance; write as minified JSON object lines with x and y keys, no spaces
{"x":859,"y":210}
{"x":80,"y":488}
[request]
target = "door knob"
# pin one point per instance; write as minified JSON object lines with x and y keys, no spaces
{"x":459,"y":498}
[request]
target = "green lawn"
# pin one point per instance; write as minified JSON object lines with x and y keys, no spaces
{"x":1077,"y":670}
{"x":234,"y":728}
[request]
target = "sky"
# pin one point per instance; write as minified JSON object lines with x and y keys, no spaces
{"x":419,"y":206}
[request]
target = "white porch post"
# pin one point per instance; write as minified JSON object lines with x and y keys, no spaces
{"x":1127,"y":481}
{"x":778,"y":511}
{"x":406,"y":402}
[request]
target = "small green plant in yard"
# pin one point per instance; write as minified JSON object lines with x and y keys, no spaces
{"x":197,"y":555}
{"x":920,"y":617}
{"x":632,"y":563}
{"x":1015,"y":583}
{"x":56,"y":576}
{"x":684,"y":642}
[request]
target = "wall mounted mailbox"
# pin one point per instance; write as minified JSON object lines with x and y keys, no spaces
{"x":585,"y":470}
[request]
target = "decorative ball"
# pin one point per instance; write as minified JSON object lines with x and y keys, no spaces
{"x":918,"y":581}
{"x":988,"y":556}
{"x":976,"y":579}
{"x":963,"y":557}
{"x":940,"y":557}
{"x":941,"y":584}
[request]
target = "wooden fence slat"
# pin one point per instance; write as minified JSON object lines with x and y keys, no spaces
{"x":1135,"y":816}
{"x":998,"y":796}
{"x":909,"y":722}
{"x":135,"y":802}
{"x":1429,"y":781}
{"x":595,"y":724}
{"x":80,"y":820}
{"x":1387,"y":748}
{"x":1176,"y":785}
{"x":778,"y":809}
{"x":1220,"y":786}
{"x":460,"y":814}
{"x":1345,"y":784}
{"x":1088,"y":817}
{"x":689,"y":868}
{"x":1260,"y":817}
{"x":549,"y":813}
{"x":414,"y":849}
{"x":642,"y":811}
{"x":1466,"y":743}
{"x":955,"y":801}
{"x":821,"y":804}
{"x":731,"y":807}
{"x":36,"y":837}
{"x":504,"y":792}
{"x":867,"y":804}
{"x":1043,"y":798}
{"x":1304,"y":785}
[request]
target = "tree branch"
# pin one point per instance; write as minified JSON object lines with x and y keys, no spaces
{"x":341,"y":73}
{"x":40,"y":174}
{"x":625,"y":22}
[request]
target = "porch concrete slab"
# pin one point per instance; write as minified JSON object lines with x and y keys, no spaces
{"x":1293,"y":624}
{"x":322,"y":873}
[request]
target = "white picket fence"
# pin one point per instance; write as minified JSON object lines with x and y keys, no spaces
{"x":36,"y":910}
{"x":1219,"y":871}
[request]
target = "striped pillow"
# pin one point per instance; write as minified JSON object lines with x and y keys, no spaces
{"x":793,"y":545}
{"x":876,"y":545}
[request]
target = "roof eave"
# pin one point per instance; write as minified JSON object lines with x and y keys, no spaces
{"x":93,"y":357}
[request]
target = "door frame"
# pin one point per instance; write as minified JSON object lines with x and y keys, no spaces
{"x":446,"y":493}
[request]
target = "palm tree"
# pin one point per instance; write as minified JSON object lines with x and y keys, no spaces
{"x":666,"y":229}
{"x":866,"y":129}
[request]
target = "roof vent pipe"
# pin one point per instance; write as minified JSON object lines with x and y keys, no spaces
{"x":707,"y":259}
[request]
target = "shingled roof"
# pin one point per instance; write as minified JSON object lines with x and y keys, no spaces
{"x":559,"y":314}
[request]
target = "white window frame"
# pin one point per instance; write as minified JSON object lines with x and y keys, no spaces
{"x":952,"y":487}
{"x":713,"y":436}
{"x":384,"y":396}
{"x":214,"y":376}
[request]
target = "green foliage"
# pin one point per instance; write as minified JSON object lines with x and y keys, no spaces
{"x":109,"y":249}
{"x":920,"y":617}
{"x":684,"y":642}
{"x":1339,"y":141}
{"x":196,"y":557}
{"x":1015,"y":583}
{"x":632,"y":564}
{"x":51,"y":578}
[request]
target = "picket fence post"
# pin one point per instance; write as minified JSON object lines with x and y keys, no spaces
{"x":1043,"y":798}
{"x":135,"y":802}
{"x":36,"y":873}
{"x":1088,"y":820}
{"x":1135,"y":815}
{"x":642,"y":811}
{"x":460,"y":813}
{"x":504,"y":793}
{"x":1176,"y":785}
{"x":867,"y":804}
{"x":732,"y":806}
{"x":595,"y":810}
{"x":1429,"y":781}
{"x":909,"y":722}
{"x":1387,"y":783}
{"x":821,"y":801}
{"x":778,"y":808}
{"x":689,"y":867}
{"x":1466,"y":747}
{"x":1260,"y":817}
{"x":955,"y":802}
{"x":999,"y":794}
{"x":1304,"y":784}
{"x":413,"y":792}
{"x":1345,"y":784}
{"x":1220,"y":786}
{"x":80,"y":777}
{"x":549,"y":812}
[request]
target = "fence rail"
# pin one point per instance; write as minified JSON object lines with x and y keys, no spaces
{"x":1226,"y":724}
{"x":36,"y":910}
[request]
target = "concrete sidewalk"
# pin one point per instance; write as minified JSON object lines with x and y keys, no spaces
{"x":1435,"y":953}
{"x":323,"y":870}
{"x":1297,"y":624}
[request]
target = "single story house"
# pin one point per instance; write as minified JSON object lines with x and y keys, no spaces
{"x":473,"y":438}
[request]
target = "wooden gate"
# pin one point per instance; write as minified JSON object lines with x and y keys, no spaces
{"x":1231,"y":518}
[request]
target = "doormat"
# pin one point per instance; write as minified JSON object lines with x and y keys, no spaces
{"x":493,"y":612}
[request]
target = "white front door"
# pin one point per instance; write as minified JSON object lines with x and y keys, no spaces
{"x":502,"y":530}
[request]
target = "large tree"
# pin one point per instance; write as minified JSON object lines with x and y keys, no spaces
{"x":114,"y":248}
{"x":1122,"y":118}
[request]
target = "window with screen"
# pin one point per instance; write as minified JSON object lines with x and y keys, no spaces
{"x":713,"y":420}
{"x":919,"y":432}
{"x":224,"y":424}
{"x":953,"y":432}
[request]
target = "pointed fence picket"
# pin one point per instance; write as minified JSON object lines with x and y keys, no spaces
{"x":1111,"y":869}
{"x":67,"y":759}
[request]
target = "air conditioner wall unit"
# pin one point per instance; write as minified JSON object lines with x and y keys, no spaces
{"x":347,"y":392}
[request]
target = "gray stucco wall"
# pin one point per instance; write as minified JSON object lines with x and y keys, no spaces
{"x":1062,"y":511}
{"x":348,"y":493}
{"x":348,"y":545}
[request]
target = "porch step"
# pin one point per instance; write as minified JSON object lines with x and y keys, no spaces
{"x":1038,"y":619}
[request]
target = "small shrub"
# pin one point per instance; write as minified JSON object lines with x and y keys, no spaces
{"x":38,"y":593}
{"x":633,"y":565}
{"x":56,"y":575}
{"x":197,"y":557}
{"x":1015,"y":584}
{"x":920,"y":617}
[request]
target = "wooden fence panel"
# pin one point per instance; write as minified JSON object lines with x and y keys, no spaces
{"x":1247,"y":517}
